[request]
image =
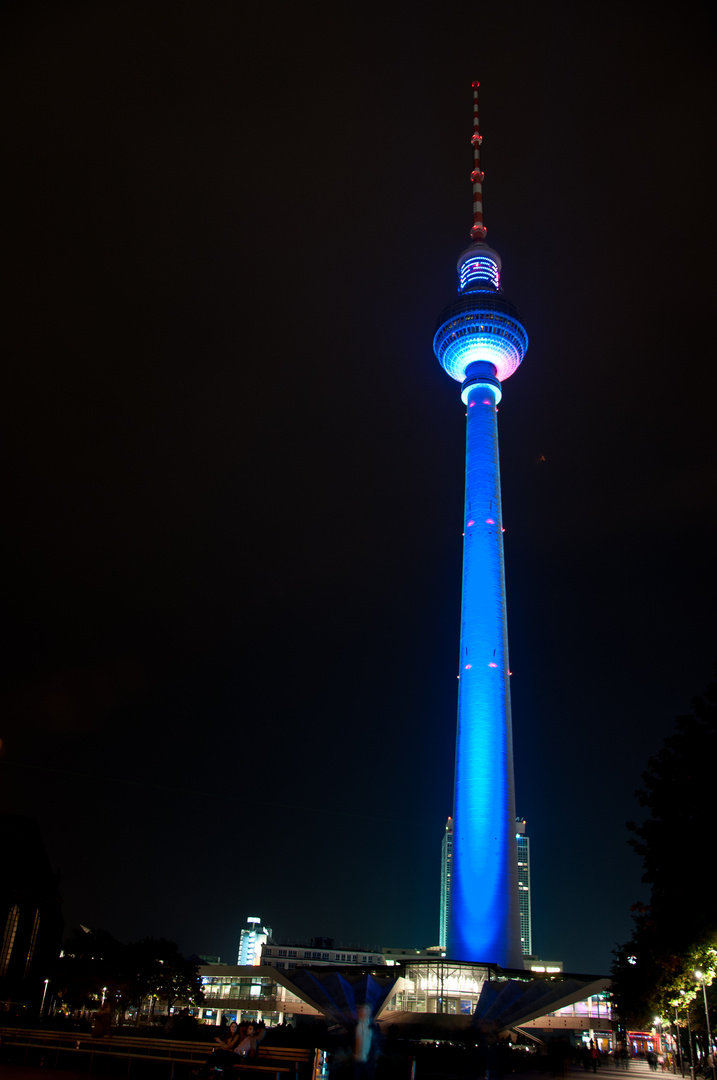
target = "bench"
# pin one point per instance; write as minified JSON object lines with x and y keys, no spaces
{"x":279,"y":1060}
{"x":131,"y":1047}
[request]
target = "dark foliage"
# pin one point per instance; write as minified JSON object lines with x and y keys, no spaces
{"x":678,"y":792}
{"x":94,"y":964}
{"x":676,"y":932}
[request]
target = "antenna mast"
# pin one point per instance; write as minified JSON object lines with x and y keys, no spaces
{"x":478,"y":231}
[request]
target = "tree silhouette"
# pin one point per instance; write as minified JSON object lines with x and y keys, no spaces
{"x":676,"y":933}
{"x":94,"y":965}
{"x":158,"y":971}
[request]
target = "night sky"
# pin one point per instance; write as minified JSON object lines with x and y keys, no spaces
{"x":235,"y":485}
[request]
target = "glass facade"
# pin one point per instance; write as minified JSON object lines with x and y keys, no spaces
{"x":446,"y":861}
{"x":438,"y":986}
{"x":526,"y":933}
{"x":238,"y":994}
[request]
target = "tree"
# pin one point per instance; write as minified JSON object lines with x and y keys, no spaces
{"x":156,"y":970}
{"x":95,"y":966}
{"x":678,"y":793}
{"x":89,"y":967}
{"x":676,"y":932}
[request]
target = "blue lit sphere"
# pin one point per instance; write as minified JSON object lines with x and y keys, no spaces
{"x":480,"y":325}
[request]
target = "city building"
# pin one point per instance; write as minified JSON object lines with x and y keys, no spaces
{"x":253,"y":937}
{"x":403,"y":956}
{"x":419,"y":988}
{"x":250,"y":992}
{"x":441,"y":987}
{"x":320,"y":952}
{"x":446,"y":860}
{"x":523,"y":870}
{"x":31,"y":922}
{"x":480,"y":341}
{"x":523,"y":844}
{"x":589,"y":1018}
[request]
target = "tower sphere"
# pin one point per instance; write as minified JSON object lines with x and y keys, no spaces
{"x":480,"y":324}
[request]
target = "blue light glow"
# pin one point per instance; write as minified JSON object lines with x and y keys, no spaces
{"x":484,"y":919}
{"x":490,"y":384}
{"x":480,"y":326}
{"x":475,"y":333}
{"x":480,"y":341}
{"x":479,"y":271}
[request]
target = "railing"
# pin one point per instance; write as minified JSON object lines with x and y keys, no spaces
{"x":48,"y":1045}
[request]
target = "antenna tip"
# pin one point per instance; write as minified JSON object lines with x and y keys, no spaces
{"x":475,"y":84}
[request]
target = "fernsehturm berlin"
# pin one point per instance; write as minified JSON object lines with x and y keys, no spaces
{"x":480,"y":342}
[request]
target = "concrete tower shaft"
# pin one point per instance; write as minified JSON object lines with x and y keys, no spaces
{"x":484,"y":921}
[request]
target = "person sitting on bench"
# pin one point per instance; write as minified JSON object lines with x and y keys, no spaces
{"x":225,"y":1055}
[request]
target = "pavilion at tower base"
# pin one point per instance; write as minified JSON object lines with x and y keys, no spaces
{"x":455,"y":995}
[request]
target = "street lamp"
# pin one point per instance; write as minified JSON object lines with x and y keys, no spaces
{"x":42,"y":1003}
{"x":689,"y":1038}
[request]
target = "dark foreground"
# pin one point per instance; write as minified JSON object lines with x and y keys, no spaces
{"x":159,"y":1071}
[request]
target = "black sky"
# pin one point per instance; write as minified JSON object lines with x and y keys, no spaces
{"x":234,"y":493}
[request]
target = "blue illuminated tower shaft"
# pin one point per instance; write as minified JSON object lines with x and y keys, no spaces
{"x":480,"y":341}
{"x":485,"y":918}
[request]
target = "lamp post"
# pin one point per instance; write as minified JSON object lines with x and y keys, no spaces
{"x":699,"y":975}
{"x":689,"y":1039}
{"x":44,"y":993}
{"x":680,"y":1055}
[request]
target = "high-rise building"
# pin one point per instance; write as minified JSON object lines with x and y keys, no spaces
{"x":253,"y":936}
{"x":480,"y":342}
{"x":522,"y":852}
{"x":523,"y":844}
{"x":446,"y":860}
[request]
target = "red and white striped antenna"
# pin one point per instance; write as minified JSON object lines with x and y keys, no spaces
{"x":478,"y":231}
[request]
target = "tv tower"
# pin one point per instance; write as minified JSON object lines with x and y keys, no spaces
{"x":480,"y":341}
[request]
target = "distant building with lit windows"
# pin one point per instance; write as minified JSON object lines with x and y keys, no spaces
{"x":253,"y":937}
{"x":427,"y":987}
{"x":523,"y":862}
{"x":446,"y":859}
{"x":523,"y":842}
{"x":250,"y":993}
{"x":319,"y":952}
